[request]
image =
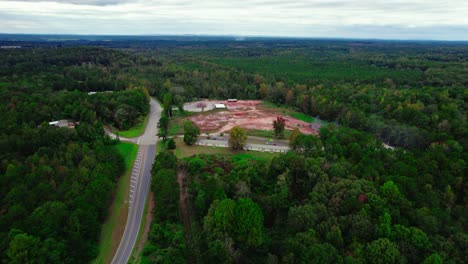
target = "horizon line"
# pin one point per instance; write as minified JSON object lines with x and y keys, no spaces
{"x":235,"y":36}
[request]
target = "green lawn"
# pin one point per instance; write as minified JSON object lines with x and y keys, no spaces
{"x":136,"y":130}
{"x":113,"y":228}
{"x":266,"y":133}
{"x":174,"y":130}
{"x":302,"y":117}
{"x":292,"y":112}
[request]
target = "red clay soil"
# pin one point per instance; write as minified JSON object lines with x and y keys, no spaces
{"x":247,"y":114}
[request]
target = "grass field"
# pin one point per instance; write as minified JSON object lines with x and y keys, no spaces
{"x":183,"y":151}
{"x":136,"y":130}
{"x":266,"y":133}
{"x":292,"y":112}
{"x":113,"y":228}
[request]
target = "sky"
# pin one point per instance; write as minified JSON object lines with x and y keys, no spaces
{"x":374,"y":19}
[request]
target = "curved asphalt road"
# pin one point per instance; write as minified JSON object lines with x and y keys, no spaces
{"x":139,"y":184}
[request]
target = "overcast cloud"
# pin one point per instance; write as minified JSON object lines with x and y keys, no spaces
{"x":390,"y":19}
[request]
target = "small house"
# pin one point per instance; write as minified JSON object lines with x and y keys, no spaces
{"x":64,"y":123}
{"x":220,"y":106}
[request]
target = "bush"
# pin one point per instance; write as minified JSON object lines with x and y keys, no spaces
{"x":171,"y":144}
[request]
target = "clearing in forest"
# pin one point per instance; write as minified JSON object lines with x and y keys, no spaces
{"x":248,"y":114}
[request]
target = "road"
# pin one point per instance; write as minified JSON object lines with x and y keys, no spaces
{"x":114,"y":136}
{"x":139,"y":184}
{"x":248,"y":146}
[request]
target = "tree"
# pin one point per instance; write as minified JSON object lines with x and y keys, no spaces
{"x":383,"y":251}
{"x":384,"y":229}
{"x":241,"y":220}
{"x":167,"y":103}
{"x":163,"y":127}
{"x":296,"y":132}
{"x":191,"y":132}
{"x":302,"y":217}
{"x":321,"y":253}
{"x":390,"y":191}
{"x":278,"y":126}
{"x":23,"y":249}
{"x":335,"y":237}
{"x":248,"y":222}
{"x":433,"y":259}
{"x":237,"y":138}
{"x":307,"y":145}
{"x":166,"y":195}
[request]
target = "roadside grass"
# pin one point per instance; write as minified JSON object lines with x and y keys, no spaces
{"x":184,"y":151}
{"x":113,"y":228}
{"x":255,"y":156}
{"x":136,"y":130}
{"x":266,"y":133}
{"x":160,"y":146}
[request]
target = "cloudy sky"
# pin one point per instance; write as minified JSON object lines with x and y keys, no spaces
{"x":384,"y":19}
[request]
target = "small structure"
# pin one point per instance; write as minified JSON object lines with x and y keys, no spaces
{"x":220,"y":106}
{"x":64,"y":123}
{"x":95,"y":92}
{"x":233,"y":100}
{"x":388,"y":146}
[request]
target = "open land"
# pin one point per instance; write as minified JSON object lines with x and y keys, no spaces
{"x":248,"y":114}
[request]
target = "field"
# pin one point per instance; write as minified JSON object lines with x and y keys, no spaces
{"x":113,"y":228}
{"x":251,"y":115}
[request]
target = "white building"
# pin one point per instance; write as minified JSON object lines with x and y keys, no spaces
{"x":220,"y":106}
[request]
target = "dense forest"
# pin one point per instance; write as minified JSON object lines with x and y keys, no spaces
{"x":56,"y":184}
{"x":338,"y":198}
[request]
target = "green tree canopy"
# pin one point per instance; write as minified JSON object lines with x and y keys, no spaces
{"x":191,"y":132}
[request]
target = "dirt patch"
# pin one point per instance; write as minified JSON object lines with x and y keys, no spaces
{"x":248,"y":114}
{"x":200,"y":106}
